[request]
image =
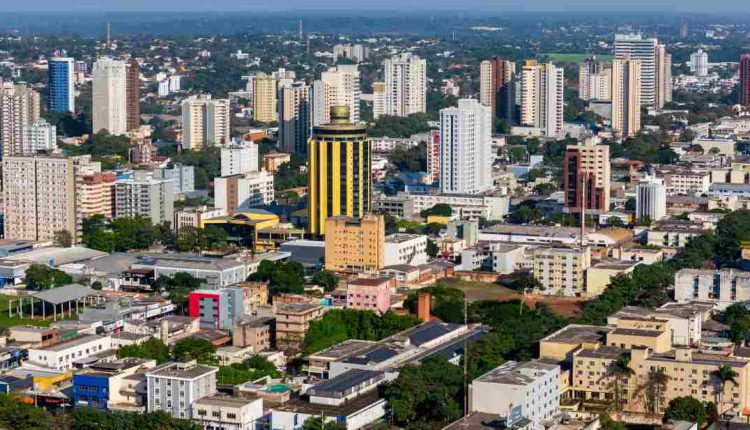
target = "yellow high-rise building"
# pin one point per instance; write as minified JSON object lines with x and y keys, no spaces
{"x":355,"y":245}
{"x":264,"y":98}
{"x":339,"y":173}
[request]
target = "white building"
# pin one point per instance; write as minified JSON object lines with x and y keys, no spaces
{"x":175,"y":387}
{"x":205,"y":122}
{"x":39,"y":136}
{"x":466,"y":148}
{"x":463,"y":205}
{"x":109,"y":96}
{"x":240,"y":192}
{"x":531,"y":387}
{"x":145,"y":196}
{"x":19,"y":107}
{"x":183,"y":177}
{"x":339,"y":86}
{"x":239,"y":159}
{"x":684,"y":182}
{"x":60,"y":356}
{"x":542,"y":102}
{"x":699,"y":63}
{"x":402,"y":248}
{"x":405,"y":85}
{"x":656,"y":66}
{"x":221,"y":412}
{"x":651,"y":199}
{"x":723,"y":287}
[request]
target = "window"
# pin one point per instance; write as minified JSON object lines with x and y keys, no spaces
{"x":216,"y":414}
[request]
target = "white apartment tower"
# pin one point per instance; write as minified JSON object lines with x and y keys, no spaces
{"x":339,"y":86}
{"x":145,"y":196}
{"x":19,"y":107}
{"x":239,"y":159}
{"x":656,"y":66}
{"x":38,"y":136}
{"x":205,"y":122}
{"x":626,"y":97}
{"x":651,"y":199}
{"x":466,"y":148}
{"x":405,"y":85}
{"x":378,"y":99}
{"x":699,"y":63}
{"x":109,"y":96}
{"x":542,"y":103}
{"x":594,"y":80}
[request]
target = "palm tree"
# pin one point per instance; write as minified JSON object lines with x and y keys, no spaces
{"x":724,"y":374}
{"x":619,"y":370}
{"x":654,"y":387}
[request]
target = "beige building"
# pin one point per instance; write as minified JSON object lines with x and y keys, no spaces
{"x":338,"y":86}
{"x":40,"y":196}
{"x":97,"y":192}
{"x":378,"y":99}
{"x":562,"y":270}
{"x":663,"y":76}
{"x":594,"y":80}
{"x":405,"y":84}
{"x":19,"y":107}
{"x":542,"y":104}
{"x":355,"y":244}
{"x":599,"y":275}
{"x":255,"y":334}
{"x":264,"y":98}
{"x":109,"y":96}
{"x":205,"y":122}
{"x":292,"y":322}
{"x":626,"y":97}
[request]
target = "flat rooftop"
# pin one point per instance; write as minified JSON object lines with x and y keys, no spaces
{"x":606,"y":352}
{"x":225,"y":401}
{"x":346,"y":409}
{"x":72,"y":343}
{"x":341,"y":350}
{"x":578,"y":334}
{"x":514,"y":373}
{"x":344,"y":383}
{"x":637,"y":332}
{"x":181,"y":370}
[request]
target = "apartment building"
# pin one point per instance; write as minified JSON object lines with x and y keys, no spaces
{"x":355,"y":244}
{"x":38,"y":136}
{"x":292,"y":322}
{"x":294,"y":116}
{"x":217,"y":309}
{"x":405,"y":248}
{"x":542,"y":97}
{"x":222,"y":412}
{"x":273,"y":161}
{"x":110,"y":386}
{"x":254,"y":333}
{"x":145,"y":196}
{"x":175,"y":387}
{"x":673,"y":233}
{"x":19,"y":107}
{"x":586,"y":176}
{"x":239,"y":159}
{"x":242,"y":192}
{"x":722,"y":287}
{"x":264,"y":98}
{"x":61,"y":356}
{"x":685,"y":182}
{"x":182,"y":176}
{"x":109,"y":96}
{"x":562,"y":270}
{"x":338,"y":86}
{"x":370,"y":294}
{"x":98,"y":194}
{"x":405,"y":85}
{"x":205,"y":122}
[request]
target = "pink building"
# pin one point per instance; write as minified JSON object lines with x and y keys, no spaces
{"x":433,"y":156}
{"x":370,"y":294}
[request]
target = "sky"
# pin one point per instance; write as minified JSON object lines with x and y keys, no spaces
{"x":714,"y":6}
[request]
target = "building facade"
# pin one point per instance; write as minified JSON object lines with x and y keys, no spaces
{"x":542,"y":103}
{"x":264,"y":98}
{"x":651,"y":199}
{"x":405,"y":85}
{"x":109,"y":94}
{"x":133,"y":95}
{"x":60,"y":85}
{"x":205,"y":122}
{"x":239,"y":159}
{"x":175,"y":387}
{"x":19,"y":107}
{"x":626,"y":97}
{"x":496,"y":87}
{"x":294,"y":117}
{"x":562,"y":270}
{"x":355,"y":244}
{"x":586,"y":176}
{"x":147,"y":197}
{"x":338,"y":86}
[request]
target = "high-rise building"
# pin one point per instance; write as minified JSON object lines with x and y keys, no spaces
{"x":586,"y":167}
{"x":109,"y":96}
{"x":466,"y":148}
{"x":264,"y":98}
{"x":19,"y":107}
{"x":294,"y":117}
{"x":496,"y":77}
{"x":145,"y":196}
{"x":744,"y":80}
{"x":626,"y":97}
{"x":97,"y":194}
{"x":133,"y":91}
{"x":356,"y":53}
{"x":60,"y":85}
{"x":378,"y":99}
{"x":651,"y":199}
{"x":594,"y":80}
{"x":242,"y":192}
{"x":40,"y":196}
{"x":239,"y":159}
{"x":542,"y":104}
{"x":339,"y":170}
{"x":339,"y":86}
{"x":663,"y":76}
{"x":205,"y":122}
{"x":405,"y":85}
{"x":433,"y":156}
{"x":38,"y":136}
{"x":355,"y":244}
{"x":699,"y":63}
{"x":181,"y":175}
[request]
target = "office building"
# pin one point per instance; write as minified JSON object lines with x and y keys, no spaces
{"x":223,"y":412}
{"x":338,"y":86}
{"x":339,"y":171}
{"x":626,"y":97}
{"x":562,"y":271}
{"x":466,"y":148}
{"x":404,"y":248}
{"x":145,"y":196}
{"x":239,"y":159}
{"x":109,"y":93}
{"x":244,"y":191}
{"x":61,"y":356}
{"x":133,"y":94}
{"x":651,"y":199}
{"x":175,"y":388}
{"x":60,"y":85}
{"x":218,"y":309}
{"x":19,"y":107}
{"x":205,"y":122}
{"x":542,"y":103}
{"x":531,"y":387}
{"x":40,"y":196}
{"x":586,"y":176}
{"x":496,"y":89}
{"x":434,"y":158}
{"x":744,"y":91}
{"x":38,"y":136}
{"x":355,"y":245}
{"x":722,"y":287}
{"x":663,"y":76}
{"x":656,"y":67}
{"x":405,"y":77}
{"x":264,"y":98}
{"x":181,"y":175}
{"x":294,"y":117}
{"x":699,"y":63}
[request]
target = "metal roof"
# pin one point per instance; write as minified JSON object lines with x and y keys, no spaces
{"x":66,"y":293}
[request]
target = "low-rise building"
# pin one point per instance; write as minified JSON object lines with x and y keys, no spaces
{"x":562,"y":270}
{"x":254,"y":333}
{"x":723,"y":287}
{"x":600,"y":274}
{"x":217,"y":308}
{"x":221,"y":412}
{"x":194,"y":216}
{"x":673,"y":233}
{"x":175,"y":387}
{"x":355,"y":244}
{"x":292,"y":322}
{"x":111,"y":386}
{"x":61,"y":356}
{"x":404,"y":248}
{"x":370,"y":294}
{"x":38,"y":337}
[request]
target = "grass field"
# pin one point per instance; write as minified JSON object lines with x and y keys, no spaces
{"x":573,"y":58}
{"x":5,"y":321}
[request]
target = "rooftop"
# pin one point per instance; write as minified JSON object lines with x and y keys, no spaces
{"x":231,"y":402}
{"x":343,"y":384}
{"x":637,"y":332}
{"x":346,"y":409}
{"x":341,"y":350}
{"x":514,"y":373}
{"x":66,"y":293}
{"x":370,"y":282}
{"x":575,"y":333}
{"x":72,"y":343}
{"x":401,"y":237}
{"x":57,"y":256}
{"x":606,"y":352}
{"x":189,"y":370}
{"x":297,"y":308}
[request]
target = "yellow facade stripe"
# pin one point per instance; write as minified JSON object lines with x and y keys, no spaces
{"x":360,"y":158}
{"x":335,"y":178}
{"x":323,"y":173}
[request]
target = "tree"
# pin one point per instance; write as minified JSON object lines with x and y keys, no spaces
{"x":654,"y":387}
{"x":177,"y":286}
{"x":63,"y":238}
{"x":432,"y":249}
{"x":487,"y":353}
{"x":97,"y":285}
{"x":614,"y":221}
{"x":152,"y":349}
{"x":722,"y":375}
{"x":282,"y":277}
{"x":251,"y":369}
{"x":545,"y":189}
{"x":338,"y":325}
{"x":737,"y":317}
{"x":15,"y":414}
{"x":607,"y":423}
{"x":526,"y":283}
{"x":40,"y":277}
{"x":619,"y":371}
{"x":686,"y":409}
{"x":194,"y":349}
{"x":319,"y":423}
{"x":326,"y":279}
{"x":440,"y":209}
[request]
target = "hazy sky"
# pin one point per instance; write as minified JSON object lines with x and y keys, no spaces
{"x":477,"y":5}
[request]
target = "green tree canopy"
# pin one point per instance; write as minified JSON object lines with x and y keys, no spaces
{"x":686,"y":409}
{"x":338,"y":325}
{"x":40,"y":277}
